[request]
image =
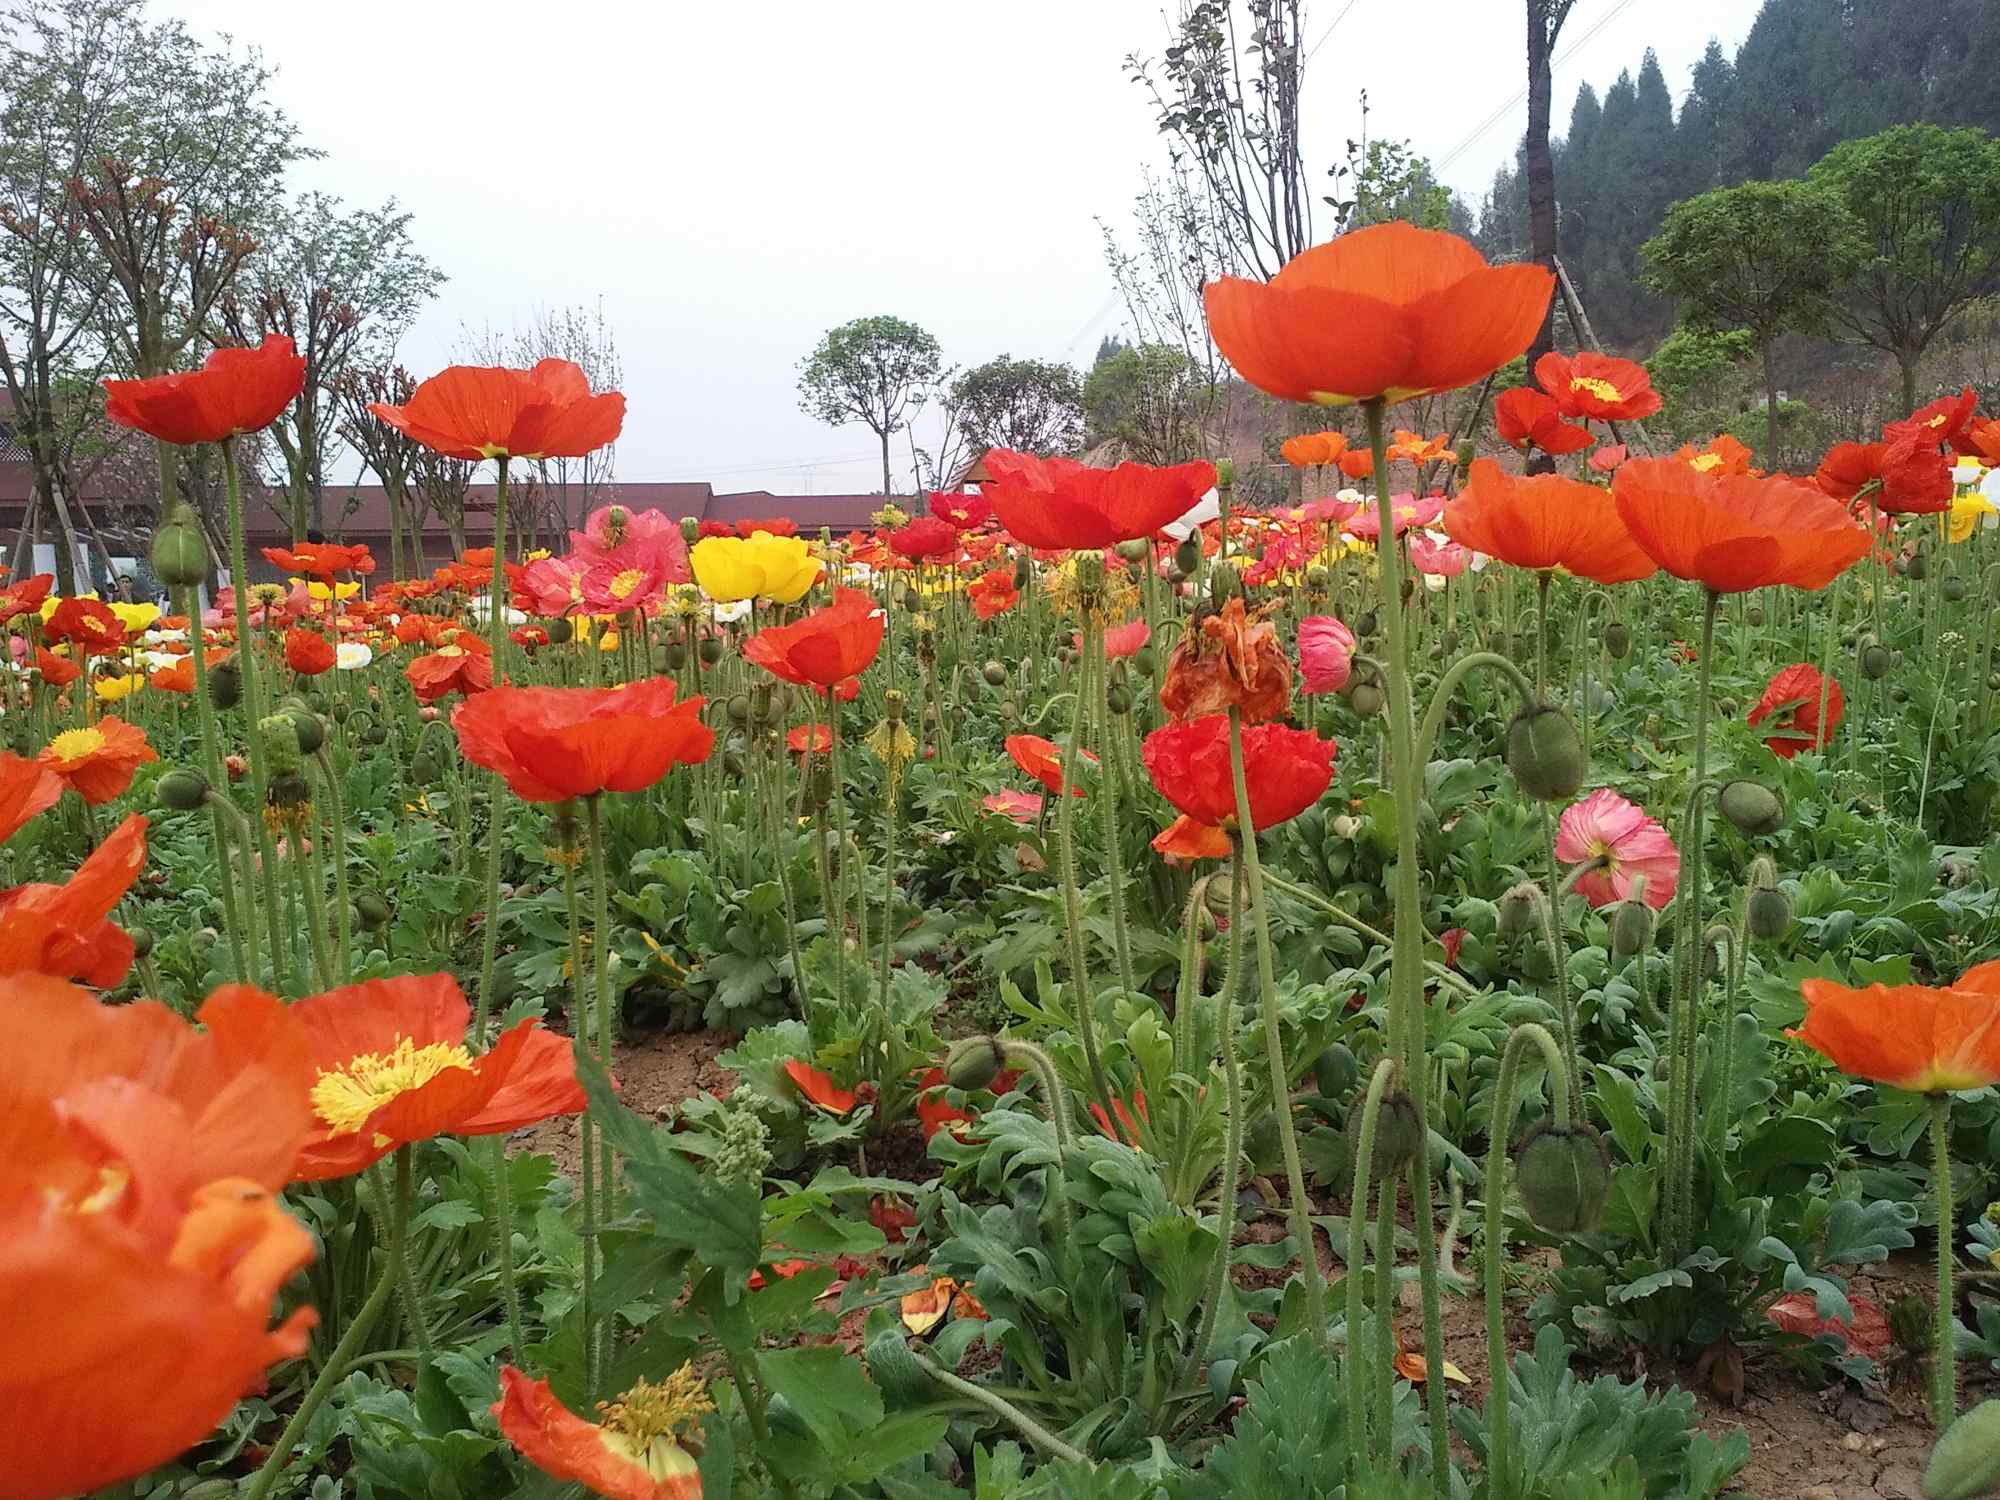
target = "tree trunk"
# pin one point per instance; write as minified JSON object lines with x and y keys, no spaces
{"x":1906,"y":361}
{"x":885,"y":463}
{"x":1770,"y":407}
{"x":1541,"y":173}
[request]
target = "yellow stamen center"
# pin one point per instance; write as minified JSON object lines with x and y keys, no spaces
{"x":345,"y":1097}
{"x":77,"y":744}
{"x":654,"y":1409}
{"x":1706,"y":461}
{"x":624,"y":585}
{"x":1603,"y":390}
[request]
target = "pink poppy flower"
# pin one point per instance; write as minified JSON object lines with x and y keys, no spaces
{"x":1604,"y":825}
{"x":1329,"y":509}
{"x":1604,"y":460}
{"x":1326,"y":654}
{"x":550,"y":586}
{"x":1022,"y":807}
{"x":619,"y":585}
{"x":1407,"y":509}
{"x":612,"y":533}
{"x":1120,"y":640}
{"x":1439,"y":559}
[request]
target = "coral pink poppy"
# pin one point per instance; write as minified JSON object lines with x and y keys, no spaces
{"x":1605,"y":826}
{"x":1022,"y":807}
{"x":1438,"y":559}
{"x":1407,"y":509}
{"x":1326,"y":654}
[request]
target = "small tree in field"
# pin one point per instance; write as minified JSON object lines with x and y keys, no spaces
{"x":877,"y":371}
{"x":1029,"y":405}
{"x":1927,"y":200}
{"x":1766,"y":256}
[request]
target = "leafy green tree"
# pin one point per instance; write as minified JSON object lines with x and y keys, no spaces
{"x":1767,"y":256}
{"x":1927,"y":201}
{"x":1145,"y":398}
{"x":1028,"y":405}
{"x":1699,"y":373}
{"x":877,"y":371}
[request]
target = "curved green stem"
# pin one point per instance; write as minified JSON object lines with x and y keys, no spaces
{"x":496,"y":801}
{"x":1944,"y":1378}
{"x":1320,"y":903}
{"x":1084,"y":999}
{"x":1004,"y":1409}
{"x":1360,"y":1378}
{"x":1448,"y":686}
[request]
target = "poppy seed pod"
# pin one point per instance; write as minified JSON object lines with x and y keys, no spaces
{"x":1563,"y":1173}
{"x":225,"y":685}
{"x":994,"y":673}
{"x":180,"y":554}
{"x":1545,"y":753}
{"x":560,"y":631}
{"x":1631,"y":925}
{"x":1876,"y":661}
{"x":893,"y":703}
{"x":974,"y":1062}
{"x":1187,"y":556}
{"x":1965,"y":1464}
{"x":183,"y":790}
{"x":1752,"y":808}
{"x":1399,"y":1132}
{"x":1520,"y":910}
{"x":1769,"y":913}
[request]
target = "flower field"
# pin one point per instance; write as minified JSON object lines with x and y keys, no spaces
{"x":1379,"y":997}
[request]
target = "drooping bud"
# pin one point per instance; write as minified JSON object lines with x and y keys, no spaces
{"x":1520,"y":910}
{"x":1769,"y":914}
{"x":183,"y":789}
{"x":1365,"y":623}
{"x":372,"y":910}
{"x":1876,"y":661}
{"x":710,"y":651}
{"x":1564,"y":1175}
{"x":310,"y":728}
{"x":1335,"y":1070}
{"x":142,"y":941}
{"x":1918,"y":567}
{"x":180,"y":553}
{"x":225,"y":685}
{"x":1545,"y":753}
{"x":427,"y":761}
{"x":560,"y":631}
{"x":1399,"y":1132}
{"x":1187,"y":556}
{"x":1751,"y":807}
{"x":1365,"y":697}
{"x":1617,"y":640}
{"x":1136,"y":549}
{"x":1965,"y":1464}
{"x":1632,"y":922}
{"x":974,"y":1062}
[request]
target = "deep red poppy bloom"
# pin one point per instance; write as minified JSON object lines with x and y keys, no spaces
{"x":323,"y":560}
{"x":1589,"y":384}
{"x":962,"y":512}
{"x":141,"y":1238}
{"x":552,"y":744}
{"x":1390,"y":312}
{"x":1791,"y":703}
{"x":1527,"y":418}
{"x":1059,"y":503}
{"x":63,"y":930}
{"x":1285,"y":772}
{"x":392,"y":1067}
{"x":472,"y":412}
{"x":1734,"y":533}
{"x":90,"y":623}
{"x":235,"y":391}
{"x":1545,"y":522}
{"x":1945,"y":418}
{"x":924,"y":539}
{"x":1042,"y":759}
{"x":1899,"y":478}
{"x":307,"y":652}
{"x":829,"y":645}
{"x":28,"y":594}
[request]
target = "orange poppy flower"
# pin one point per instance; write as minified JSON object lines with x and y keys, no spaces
{"x":1042,"y":759}
{"x":1793,"y":697}
{"x":1980,"y":440}
{"x":1310,"y":450}
{"x":1900,"y":478}
{"x":815,"y":739}
{"x":1544,"y":522}
{"x":1945,"y":418}
{"x":819,"y":1087}
{"x":924,"y":1309}
{"x":178,"y":678}
{"x":1233,"y":660}
{"x":828,"y":645}
{"x":63,"y":929}
{"x":141,"y":1240}
{"x":392,"y":1067}
{"x":633,"y":1453}
{"x":27,"y":787}
{"x":235,"y":391}
{"x":57,"y":671}
{"x":307,"y":652}
{"x":1527,"y":418}
{"x":1415,"y":448}
{"x":90,"y":623}
{"x":100,"y":761}
{"x":1059,"y":503}
{"x":1735,"y":533}
{"x":321,"y":560}
{"x":1598,"y":385}
{"x":471,"y":412}
{"x":554,"y":743}
{"x":993,"y":593}
{"x":1723,"y":455}
{"x":28,"y":594}
{"x":1927,"y":1040}
{"x":463,"y":665}
{"x":1285,"y":771}
{"x":1386,"y":313}
{"x":1358,"y":463}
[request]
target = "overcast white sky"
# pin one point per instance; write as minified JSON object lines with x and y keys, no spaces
{"x":733,"y":179}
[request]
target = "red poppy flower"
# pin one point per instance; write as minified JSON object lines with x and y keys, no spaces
{"x":1285,"y":772}
{"x":57,"y":671}
{"x":323,"y":560}
{"x":554,"y":743}
{"x":1598,"y":385}
{"x":814,"y":738}
{"x":1607,"y":459}
{"x":1911,"y":1036}
{"x":464,"y":664}
{"x":1390,"y":312}
{"x":1791,"y":703}
{"x":1898,"y":478}
{"x":1735,"y":533}
{"x":829,"y":645}
{"x":1358,"y":463}
{"x":28,"y":594}
{"x":1042,"y":759}
{"x":1980,"y":440}
{"x":820,"y":1088}
{"x":27,"y":787}
{"x":1545,"y":522}
{"x":90,"y":623}
{"x":62,"y":930}
{"x":924,"y":539}
{"x":631,"y":1454}
{"x":307,"y":652}
{"x":100,"y":761}
{"x":1126,"y":1131}
{"x":1060,"y":503}
{"x":141,"y":1239}
{"x":993,"y":593}
{"x":1945,"y":418}
{"x":770,"y":526}
{"x":1232,"y":660}
{"x":235,"y":391}
{"x":1311,"y":450}
{"x":392,"y":1067}
{"x":471,"y":412}
{"x":1527,"y":418}
{"x":961,"y":512}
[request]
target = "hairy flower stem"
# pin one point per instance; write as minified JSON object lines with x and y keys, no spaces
{"x":1274,"y":1047}
{"x":1506,"y":1101}
{"x":1361,"y":1373}
{"x":600,"y":970}
{"x":1083,"y":997}
{"x":496,"y":638}
{"x":1944,"y":1373}
{"x":188,"y":603}
{"x":1107,"y":798}
{"x":1409,"y":1024}
{"x":1004,"y":1409}
{"x":336,"y":853}
{"x":1553,"y":931}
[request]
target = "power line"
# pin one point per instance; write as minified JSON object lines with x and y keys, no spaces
{"x":1504,"y":110}
{"x":1313,"y":51}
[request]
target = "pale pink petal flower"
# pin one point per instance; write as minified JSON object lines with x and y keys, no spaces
{"x":1326,"y":653}
{"x":1605,"y":825}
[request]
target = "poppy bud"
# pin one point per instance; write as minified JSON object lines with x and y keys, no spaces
{"x":1365,"y":622}
{"x":1563,"y":1173}
{"x":1769,"y":914}
{"x":1225,"y":474}
{"x":994,"y":673}
{"x":1876,"y":661}
{"x":1752,"y":808}
{"x":1917,"y":567}
{"x":1545,"y":753}
{"x":1520,"y":910}
{"x":180,"y":554}
{"x":974,"y":1062}
{"x":559,"y":630}
{"x":375,"y":734}
{"x":1711,"y":949}
{"x":1910,"y":1325}
{"x":1146,"y":664}
{"x":1399,"y":1132}
{"x":732,"y":762}
{"x":1009,"y":710}
{"x":1224,"y":582}
{"x":1135,"y":549}
{"x":1335,"y":1070}
{"x":739,"y":709}
{"x":310,"y":728}
{"x":289,"y":789}
{"x":1118,"y":699}
{"x":372,"y":910}
{"x":710,"y":651}
{"x":1365,"y":698}
{"x":1965,"y":1464}
{"x":142,"y":941}
{"x":1187,"y":556}
{"x":893,"y":703}
{"x":1467,"y":450}
{"x":1024,"y":570}
{"x":1631,"y":926}
{"x":427,"y":761}
{"x":225,"y":685}
{"x":183,"y":789}
{"x":1449,"y":641}
{"x":1264,"y":1143}
{"x":690,"y":530}
{"x":1753,"y":614}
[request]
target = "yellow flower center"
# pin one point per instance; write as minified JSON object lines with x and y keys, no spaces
{"x":652,"y":1409}
{"x":1603,"y":390}
{"x":623,"y":586}
{"x":1703,"y":462}
{"x":345,"y":1097}
{"x":76,"y":744}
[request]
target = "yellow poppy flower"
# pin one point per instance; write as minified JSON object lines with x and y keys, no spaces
{"x":323,"y":592}
{"x":1967,"y":507}
{"x":111,"y":689}
{"x":760,"y":566}
{"x":136,"y":618}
